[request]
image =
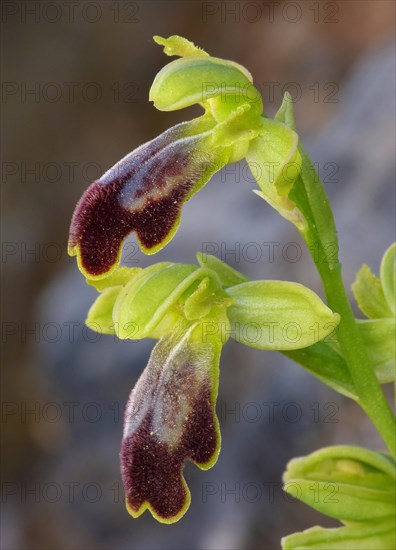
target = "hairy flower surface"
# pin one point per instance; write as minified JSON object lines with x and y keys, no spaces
{"x":170,"y":418}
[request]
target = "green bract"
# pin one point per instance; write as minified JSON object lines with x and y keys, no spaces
{"x":369,"y":294}
{"x":376,"y":299}
{"x":376,"y":296}
{"x":379,"y":338}
{"x":275,"y":163}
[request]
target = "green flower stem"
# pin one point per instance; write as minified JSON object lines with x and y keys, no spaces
{"x":321,"y":238}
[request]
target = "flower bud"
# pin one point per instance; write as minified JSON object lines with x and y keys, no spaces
{"x":351,"y":484}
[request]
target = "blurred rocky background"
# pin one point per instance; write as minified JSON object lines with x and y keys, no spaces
{"x":74,"y":101}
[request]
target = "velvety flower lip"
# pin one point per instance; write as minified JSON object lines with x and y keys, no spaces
{"x":170,"y":418}
{"x":143,"y":193}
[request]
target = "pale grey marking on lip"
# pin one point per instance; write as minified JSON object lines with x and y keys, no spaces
{"x":144,"y":395}
{"x":169,"y":388}
{"x":170,"y":418}
{"x":131,"y":161}
{"x":144,"y":177}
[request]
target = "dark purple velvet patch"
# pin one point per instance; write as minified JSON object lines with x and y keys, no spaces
{"x":152,"y":472}
{"x":100,"y":224}
{"x":143,"y":193}
{"x":169,"y":418}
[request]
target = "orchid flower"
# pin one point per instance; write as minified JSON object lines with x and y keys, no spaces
{"x":145,"y":191}
{"x":192,"y":310}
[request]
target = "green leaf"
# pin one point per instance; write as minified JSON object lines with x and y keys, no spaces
{"x":349,"y":483}
{"x":323,"y":361}
{"x":100,"y":315}
{"x":379,"y":338}
{"x":278,"y":315}
{"x":388,"y":276}
{"x":226,"y":274}
{"x":369,"y":294}
{"x":369,"y":536}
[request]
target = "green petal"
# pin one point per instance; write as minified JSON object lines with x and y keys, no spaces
{"x":208,"y":295}
{"x":369,"y":294}
{"x":240,"y":126}
{"x":388,"y":276}
{"x":379,"y":338}
{"x":278,"y":315}
{"x":177,"y":45}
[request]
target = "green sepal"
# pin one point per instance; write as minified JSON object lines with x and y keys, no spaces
{"x":351,"y":484}
{"x":369,"y":294}
{"x":100,"y":314}
{"x":149,"y":296}
{"x":388,"y":276}
{"x":227,"y":275}
{"x":278,"y":315}
{"x":119,"y":276}
{"x":323,"y":361}
{"x":181,"y":83}
{"x":379,"y":338}
{"x":368,"y":536}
